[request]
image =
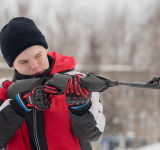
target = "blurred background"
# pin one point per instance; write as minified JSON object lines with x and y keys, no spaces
{"x":118,"y":39}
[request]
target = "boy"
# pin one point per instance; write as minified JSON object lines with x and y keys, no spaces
{"x":53,"y":123}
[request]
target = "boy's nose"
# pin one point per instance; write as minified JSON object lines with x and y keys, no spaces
{"x":34,"y":65}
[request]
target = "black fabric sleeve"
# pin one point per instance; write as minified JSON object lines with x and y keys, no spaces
{"x":10,"y":122}
{"x":18,"y":109}
{"x":85,"y":145}
{"x":1,"y":102}
{"x":84,"y":127}
{"x":81,"y":110}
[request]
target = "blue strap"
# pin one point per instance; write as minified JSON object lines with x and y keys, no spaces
{"x":80,"y":106}
{"x":21,"y":103}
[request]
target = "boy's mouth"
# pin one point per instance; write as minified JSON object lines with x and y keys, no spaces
{"x":37,"y":73}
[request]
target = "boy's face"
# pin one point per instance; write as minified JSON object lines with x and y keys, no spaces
{"x":32,"y":61}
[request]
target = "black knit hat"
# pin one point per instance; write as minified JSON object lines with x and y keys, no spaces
{"x":16,"y":36}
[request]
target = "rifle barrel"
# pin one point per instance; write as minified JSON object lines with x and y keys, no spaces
{"x":140,"y":85}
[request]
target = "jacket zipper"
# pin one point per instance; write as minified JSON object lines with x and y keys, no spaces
{"x":35,"y":130}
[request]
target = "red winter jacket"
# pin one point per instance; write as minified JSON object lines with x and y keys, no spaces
{"x":53,"y":129}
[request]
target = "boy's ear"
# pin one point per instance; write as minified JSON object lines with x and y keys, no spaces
{"x":13,"y":67}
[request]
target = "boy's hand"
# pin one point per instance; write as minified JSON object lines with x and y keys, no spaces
{"x":76,"y":93}
{"x":39,"y":97}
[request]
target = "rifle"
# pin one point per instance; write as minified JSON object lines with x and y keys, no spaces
{"x":92,"y":83}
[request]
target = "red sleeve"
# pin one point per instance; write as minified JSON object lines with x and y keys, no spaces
{"x":3,"y":94}
{"x":3,"y":90}
{"x":6,"y":84}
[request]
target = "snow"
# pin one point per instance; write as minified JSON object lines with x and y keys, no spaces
{"x":155,"y":146}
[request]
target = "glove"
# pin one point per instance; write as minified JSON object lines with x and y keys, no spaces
{"x":77,"y":97}
{"x":76,"y":93}
{"x":39,"y":97}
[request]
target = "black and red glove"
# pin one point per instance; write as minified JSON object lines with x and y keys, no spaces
{"x":39,"y":97}
{"x":77,"y":97}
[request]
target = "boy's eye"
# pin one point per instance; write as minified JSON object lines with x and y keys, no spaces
{"x":23,"y":62}
{"x":38,"y":55}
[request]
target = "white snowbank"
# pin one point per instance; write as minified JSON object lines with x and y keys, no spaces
{"x":155,"y":146}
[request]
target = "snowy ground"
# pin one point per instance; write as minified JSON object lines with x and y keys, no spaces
{"x":155,"y":146}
